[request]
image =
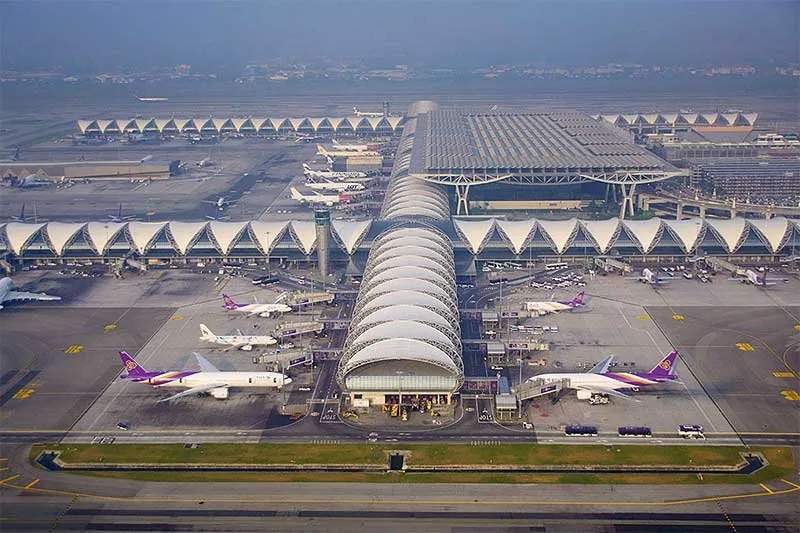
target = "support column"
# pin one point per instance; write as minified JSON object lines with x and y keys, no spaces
{"x":733,"y":213}
{"x":627,"y":199}
{"x":462,"y":196}
{"x":702,"y":209}
{"x":679,"y":211}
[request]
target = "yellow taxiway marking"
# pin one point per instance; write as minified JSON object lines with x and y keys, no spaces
{"x":75,"y":348}
{"x":32,"y":484}
{"x":642,"y":317}
{"x":791,"y":395}
{"x":6,"y":480}
{"x":797,"y":327}
{"x":779,"y":374}
{"x":108,"y":328}
{"x":766,"y":488}
{"x":677,"y":317}
{"x":176,"y":317}
{"x":795,"y":485}
{"x":24,"y":394}
{"x":745,"y":346}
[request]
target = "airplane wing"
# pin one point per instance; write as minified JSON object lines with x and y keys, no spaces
{"x":193,"y":390}
{"x":609,"y":391}
{"x":204,"y":363}
{"x":21,"y":295}
{"x":235,"y":346}
{"x":602,"y":366}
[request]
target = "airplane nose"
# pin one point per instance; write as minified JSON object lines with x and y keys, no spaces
{"x":286,"y":381}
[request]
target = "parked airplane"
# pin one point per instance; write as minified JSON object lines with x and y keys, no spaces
{"x":151,"y":98}
{"x":209,"y":379}
{"x":598,"y":380}
{"x":119,"y":217}
{"x":754,"y":278}
{"x":206,"y":162}
{"x":335,"y":186}
{"x":7,"y":294}
{"x":262,"y":310}
{"x":33,"y":180}
{"x":220,"y":202}
{"x":240,"y":341}
{"x":330,"y":174}
{"x":308,"y":138}
{"x":355,"y":147}
{"x":21,"y":217}
{"x":544,"y":308}
{"x":328,"y":200}
{"x":358,"y":113}
{"x":342,"y":153}
{"x":651,"y":277}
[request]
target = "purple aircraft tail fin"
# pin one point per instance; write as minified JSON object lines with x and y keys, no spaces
{"x":665,"y":367}
{"x":229,"y":303}
{"x":578,"y":300}
{"x":133,"y":368}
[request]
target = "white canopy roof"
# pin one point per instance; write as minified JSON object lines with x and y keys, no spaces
{"x":267,"y":234}
{"x":644,"y":232}
{"x":394,"y":251}
{"x":143,"y":233}
{"x":772,"y":231}
{"x":560,"y":232}
{"x":407,"y":297}
{"x":407,"y":271}
{"x":475,"y":232}
{"x":18,"y":234}
{"x":102,"y":233}
{"x":404,"y":329}
{"x":516,"y":232}
{"x":403,"y":312}
{"x":184,"y":233}
{"x":60,"y":233}
{"x":730,"y":232}
{"x":603,"y":232}
{"x":224,"y":233}
{"x":398,"y":349}
{"x":411,"y":284}
{"x":351,"y":233}
{"x":305,"y":232}
{"x":687,"y":232}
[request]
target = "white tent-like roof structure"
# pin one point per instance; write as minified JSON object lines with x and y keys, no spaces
{"x":224,"y":233}
{"x":144,"y":233}
{"x":559,"y":232}
{"x":475,"y":232}
{"x":305,"y":235}
{"x":773,"y":232}
{"x":644,"y":232}
{"x":267,"y":234}
{"x":61,"y":233}
{"x":602,"y":232}
{"x":350,"y":233}
{"x":101,"y":234}
{"x":687,"y":232}
{"x":516,"y":232}
{"x":185,"y":233}
{"x":731,"y":232}
{"x":19,"y":234}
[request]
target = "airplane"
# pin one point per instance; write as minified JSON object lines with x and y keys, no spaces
{"x":21,"y":217}
{"x":119,"y":217}
{"x":543,"y":308}
{"x":358,"y":113}
{"x":206,"y":162}
{"x":354,"y":147}
{"x":598,"y":380}
{"x":648,"y":276}
{"x":328,"y":200}
{"x":220,"y":202}
{"x":308,"y":138}
{"x":752,"y":277}
{"x":14,"y":157}
{"x":151,"y":98}
{"x":330,"y":174}
{"x":240,"y":341}
{"x":33,"y":180}
{"x":342,"y":153}
{"x":262,"y":310}
{"x":334,"y":186}
{"x":209,"y":379}
{"x":9,"y":295}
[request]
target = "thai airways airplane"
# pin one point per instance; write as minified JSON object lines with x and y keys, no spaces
{"x":119,"y":217}
{"x":335,"y":186}
{"x":354,"y":147}
{"x":330,"y":174}
{"x":208,"y":380}
{"x":544,"y":308}
{"x":240,"y":341}
{"x":358,"y":113}
{"x":9,"y":295}
{"x":220,"y":202}
{"x":342,"y":153}
{"x":262,"y":310}
{"x":754,"y":278}
{"x":328,"y":200}
{"x":648,"y":276}
{"x":598,"y":380}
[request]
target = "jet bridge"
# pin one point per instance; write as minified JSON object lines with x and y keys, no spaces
{"x":537,"y":387}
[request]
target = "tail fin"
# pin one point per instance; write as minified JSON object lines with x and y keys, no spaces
{"x":133,"y":368}
{"x":665,"y":367}
{"x":578,"y":300}
{"x":22,"y":214}
{"x":296,"y":194}
{"x":306,"y":167}
{"x":228,"y":302}
{"x":207,"y":333}
{"x":321,"y":150}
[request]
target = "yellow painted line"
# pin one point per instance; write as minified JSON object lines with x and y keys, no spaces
{"x":6,"y":480}
{"x":3,"y":458}
{"x":108,"y":328}
{"x":791,"y":395}
{"x":766,"y":488}
{"x":32,"y":484}
{"x":745,"y":346}
{"x":3,"y":468}
{"x":677,"y":317}
{"x":797,"y":327}
{"x":779,"y":374}
{"x":75,"y":348}
{"x":24,"y":394}
{"x":642,"y":317}
{"x":795,"y":485}
{"x":176,"y":317}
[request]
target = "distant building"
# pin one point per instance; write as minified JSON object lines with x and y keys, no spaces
{"x":769,"y":179}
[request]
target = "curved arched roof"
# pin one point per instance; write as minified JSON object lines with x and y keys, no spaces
{"x":773,"y":232}
{"x":644,"y":232}
{"x":305,"y":234}
{"x":406,"y":271}
{"x":403,"y":312}
{"x":184,"y":234}
{"x":400,"y":251}
{"x":267,"y":234}
{"x":101,"y":234}
{"x":559,"y":232}
{"x":731,"y":232}
{"x":224,"y":233}
{"x":411,"y":284}
{"x":60,"y":233}
{"x":475,"y":232}
{"x":516,"y":232}
{"x":687,"y":232}
{"x":18,"y":234}
{"x":144,"y":233}
{"x":404,"y":329}
{"x":399,"y":349}
{"x":602,"y":232}
{"x":350,"y":233}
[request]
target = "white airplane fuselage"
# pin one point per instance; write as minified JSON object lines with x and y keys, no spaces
{"x":240,"y":380}
{"x":244,"y":342}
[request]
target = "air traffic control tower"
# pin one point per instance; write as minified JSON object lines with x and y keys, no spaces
{"x":322,"y":223}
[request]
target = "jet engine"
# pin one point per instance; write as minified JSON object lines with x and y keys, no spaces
{"x":584,"y":394}
{"x":220,"y":393}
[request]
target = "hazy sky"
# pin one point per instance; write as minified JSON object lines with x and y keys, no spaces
{"x":224,"y":35}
